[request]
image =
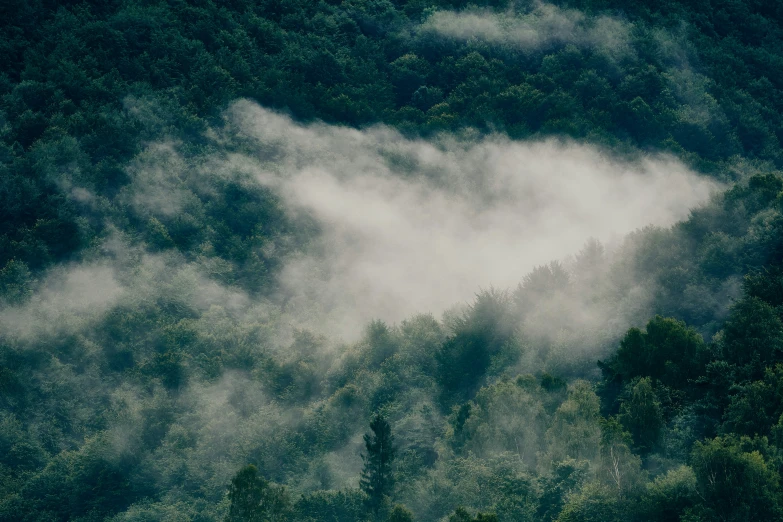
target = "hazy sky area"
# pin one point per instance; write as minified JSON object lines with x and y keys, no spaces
{"x":417,"y":226}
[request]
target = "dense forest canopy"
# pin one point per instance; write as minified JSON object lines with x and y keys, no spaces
{"x":359,"y":260}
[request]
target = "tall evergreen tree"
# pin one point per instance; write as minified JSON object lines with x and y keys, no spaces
{"x":377,"y":477}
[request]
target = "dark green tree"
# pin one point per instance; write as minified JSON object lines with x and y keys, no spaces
{"x":669,"y":496}
{"x":668,"y":350}
{"x":485,"y":332}
{"x":400,"y":514}
{"x":254,"y":499}
{"x":15,"y":282}
{"x":641,"y":415}
{"x":377,"y":476}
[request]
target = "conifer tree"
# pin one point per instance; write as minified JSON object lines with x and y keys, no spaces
{"x":377,"y":478}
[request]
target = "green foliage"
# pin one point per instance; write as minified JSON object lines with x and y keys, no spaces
{"x":77,"y":78}
{"x":620,"y":469}
{"x":593,"y":503}
{"x":253,"y":499}
{"x":568,"y":477}
{"x":670,"y":496}
{"x":142,"y":409}
{"x":400,"y":514}
{"x":377,"y":480}
{"x":484,"y":332}
{"x":327,"y":506}
{"x":752,"y":337}
{"x":766,"y":284}
{"x":735,"y":484}
{"x":641,"y":415}
{"x":15,"y":282}
{"x":506,"y":418}
{"x":755,"y":407}
{"x":575,"y":430}
{"x":189,"y":389}
{"x":667,"y":350}
{"x":462,"y":515}
{"x":91,"y":482}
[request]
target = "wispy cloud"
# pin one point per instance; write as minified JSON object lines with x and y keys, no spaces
{"x":545,"y":25}
{"x":416,"y":226}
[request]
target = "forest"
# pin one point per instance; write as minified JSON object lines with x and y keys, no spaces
{"x":391,"y":260}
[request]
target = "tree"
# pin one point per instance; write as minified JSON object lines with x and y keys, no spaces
{"x":593,"y":503}
{"x":506,"y":417}
{"x":668,"y":350}
{"x":377,"y":477}
{"x":735,"y":484}
{"x":620,"y":469}
{"x":15,"y":282}
{"x":575,"y":431}
{"x":400,"y":514}
{"x":254,"y":499}
{"x":327,"y":506}
{"x":752,"y":337}
{"x":641,"y":415}
{"x":485,"y":333}
{"x":670,"y":495}
{"x":567,"y":478}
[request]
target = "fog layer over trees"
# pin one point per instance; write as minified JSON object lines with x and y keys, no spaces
{"x":381,"y":260}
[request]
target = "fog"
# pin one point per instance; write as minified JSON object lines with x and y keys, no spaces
{"x":68,"y":299}
{"x":72,"y":298}
{"x":542,"y":26}
{"x":406,"y":226}
{"x":196,"y":282}
{"x":546,"y":26}
{"x":416,"y":226}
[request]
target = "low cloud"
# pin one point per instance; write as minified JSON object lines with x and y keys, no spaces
{"x":417,"y":226}
{"x":406,"y":226}
{"x":67,"y":300}
{"x":73,"y":298}
{"x":543,"y":26}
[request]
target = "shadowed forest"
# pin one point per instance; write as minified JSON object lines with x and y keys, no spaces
{"x":391,"y":260}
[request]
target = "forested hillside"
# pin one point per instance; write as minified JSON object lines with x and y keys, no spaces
{"x":375,"y":260}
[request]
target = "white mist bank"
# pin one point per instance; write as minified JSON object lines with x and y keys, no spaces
{"x":407,"y":226}
{"x":542,"y":26}
{"x":416,"y":226}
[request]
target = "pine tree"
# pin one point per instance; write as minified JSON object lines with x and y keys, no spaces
{"x":377,"y":477}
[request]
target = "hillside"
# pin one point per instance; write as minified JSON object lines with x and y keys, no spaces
{"x":384,"y":260}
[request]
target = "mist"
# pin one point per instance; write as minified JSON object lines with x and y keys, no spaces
{"x":384,"y":261}
{"x":413,"y":226}
{"x":70,"y":298}
{"x":405,"y":226}
{"x":542,"y":26}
